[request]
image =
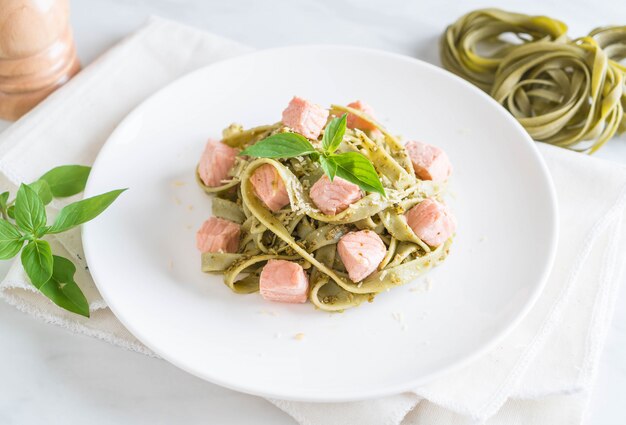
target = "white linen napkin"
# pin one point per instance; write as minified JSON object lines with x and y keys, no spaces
{"x":541,"y":373}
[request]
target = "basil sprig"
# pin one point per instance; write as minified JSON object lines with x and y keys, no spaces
{"x":351,"y":166}
{"x":24,"y":223}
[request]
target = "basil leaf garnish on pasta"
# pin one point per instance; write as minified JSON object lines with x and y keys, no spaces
{"x":352,"y":166}
{"x":329,"y":166}
{"x":357,"y":169}
{"x":333,"y":135}
{"x":281,"y":145}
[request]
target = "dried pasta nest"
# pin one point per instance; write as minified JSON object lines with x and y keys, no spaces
{"x":474,"y":46}
{"x":570,"y":93}
{"x":562,"y":94}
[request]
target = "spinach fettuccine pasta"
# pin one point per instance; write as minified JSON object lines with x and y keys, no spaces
{"x":564,"y":91}
{"x":325,"y":205}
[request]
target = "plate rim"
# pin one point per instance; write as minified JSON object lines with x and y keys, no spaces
{"x":409,"y":384}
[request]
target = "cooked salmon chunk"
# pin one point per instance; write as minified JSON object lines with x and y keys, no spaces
{"x":429,"y":162}
{"x":269,"y":187}
{"x":215,"y":163}
{"x":361,"y":252}
{"x":431,"y":221}
{"x":218,"y":235}
{"x":334,"y":197}
{"x":355,"y":122}
{"x":305,"y":117}
{"x":284,"y":281}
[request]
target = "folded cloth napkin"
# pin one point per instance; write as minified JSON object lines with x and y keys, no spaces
{"x":541,"y":373}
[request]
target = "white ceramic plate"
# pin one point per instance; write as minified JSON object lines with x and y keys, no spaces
{"x":142,"y":252}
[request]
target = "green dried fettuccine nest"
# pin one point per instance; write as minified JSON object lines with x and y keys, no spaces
{"x":461,"y":42}
{"x":571,"y":93}
{"x":562,"y":94}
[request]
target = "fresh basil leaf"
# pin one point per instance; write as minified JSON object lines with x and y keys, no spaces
{"x":356,"y":168}
{"x":10,"y":240}
{"x":11,"y":212}
{"x":62,"y":290}
{"x":37,"y":261}
{"x":30,"y":213}
{"x":67,"y":180}
{"x":333,"y":135}
{"x":4,"y":199}
{"x":329,"y":166}
{"x":81,"y":212}
{"x":281,"y":145}
{"x":42,"y":189}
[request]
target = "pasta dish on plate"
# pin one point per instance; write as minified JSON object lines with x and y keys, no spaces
{"x":325,"y":205}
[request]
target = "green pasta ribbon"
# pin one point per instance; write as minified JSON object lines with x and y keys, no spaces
{"x":567,"y":92}
{"x":612,"y":40}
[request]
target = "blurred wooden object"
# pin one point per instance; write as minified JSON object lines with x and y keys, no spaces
{"x":37,"y":53}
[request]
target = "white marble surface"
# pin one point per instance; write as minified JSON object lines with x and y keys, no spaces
{"x":47,"y":373}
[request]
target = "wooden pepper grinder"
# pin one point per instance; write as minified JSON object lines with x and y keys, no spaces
{"x":37,"y":53}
